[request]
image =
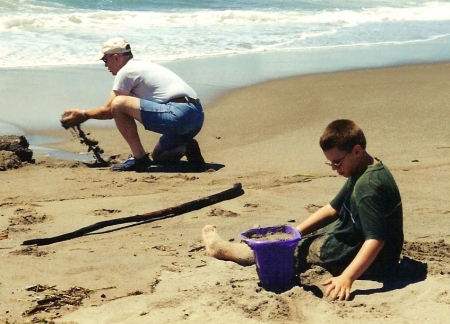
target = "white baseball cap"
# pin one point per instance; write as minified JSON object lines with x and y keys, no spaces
{"x":115,"y":45}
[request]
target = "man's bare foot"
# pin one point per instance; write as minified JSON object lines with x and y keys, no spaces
{"x":218,"y":248}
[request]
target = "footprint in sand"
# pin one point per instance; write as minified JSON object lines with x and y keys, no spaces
{"x":221,"y":212}
{"x":27,"y":217}
{"x":105,"y":212}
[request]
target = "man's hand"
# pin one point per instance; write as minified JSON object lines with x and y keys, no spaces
{"x":72,"y":118}
{"x":338,"y":288}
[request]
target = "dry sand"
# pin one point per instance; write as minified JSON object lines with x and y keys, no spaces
{"x":266,"y":138}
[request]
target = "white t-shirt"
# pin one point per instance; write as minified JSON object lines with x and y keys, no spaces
{"x":151,"y":81}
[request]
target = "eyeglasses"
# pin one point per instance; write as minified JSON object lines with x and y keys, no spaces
{"x":105,"y":59}
{"x":336,"y":164}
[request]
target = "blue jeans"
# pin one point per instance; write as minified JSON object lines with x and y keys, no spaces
{"x":178,"y":122}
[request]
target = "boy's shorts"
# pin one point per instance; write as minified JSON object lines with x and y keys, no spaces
{"x":178,"y":122}
{"x":326,"y":251}
{"x":335,"y":253}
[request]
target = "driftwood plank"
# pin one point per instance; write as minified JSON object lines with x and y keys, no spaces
{"x":231,"y":193}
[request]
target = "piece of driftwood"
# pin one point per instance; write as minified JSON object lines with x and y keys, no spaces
{"x":17,"y":144}
{"x":231,"y":193}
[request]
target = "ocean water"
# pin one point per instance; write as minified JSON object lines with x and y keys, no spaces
{"x":69,"y":32}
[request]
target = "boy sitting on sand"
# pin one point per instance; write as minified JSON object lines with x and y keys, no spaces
{"x":361,"y":229}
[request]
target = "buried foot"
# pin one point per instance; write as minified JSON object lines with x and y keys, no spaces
{"x":218,"y":248}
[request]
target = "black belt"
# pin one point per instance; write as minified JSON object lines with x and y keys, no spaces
{"x":185,"y":100}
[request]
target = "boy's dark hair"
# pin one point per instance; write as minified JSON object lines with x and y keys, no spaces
{"x":342,"y":134}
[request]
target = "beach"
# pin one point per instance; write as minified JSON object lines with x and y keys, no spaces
{"x":265,"y":137}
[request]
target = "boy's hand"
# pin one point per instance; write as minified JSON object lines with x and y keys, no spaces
{"x":338,"y":288}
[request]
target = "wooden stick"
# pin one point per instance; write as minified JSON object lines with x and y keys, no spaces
{"x":231,"y":193}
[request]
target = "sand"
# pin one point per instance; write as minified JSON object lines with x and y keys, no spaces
{"x":266,"y":138}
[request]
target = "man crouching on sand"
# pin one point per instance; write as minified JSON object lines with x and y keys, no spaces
{"x":361,"y":229}
{"x":156,"y":97}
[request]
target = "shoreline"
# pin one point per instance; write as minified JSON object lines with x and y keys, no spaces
{"x":67,"y":146}
{"x":41,"y":93}
{"x":35,"y":106}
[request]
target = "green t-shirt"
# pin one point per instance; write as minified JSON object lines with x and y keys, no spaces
{"x":370,"y":207}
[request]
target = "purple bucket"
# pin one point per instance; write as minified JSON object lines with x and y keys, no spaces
{"x":274,"y":257}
